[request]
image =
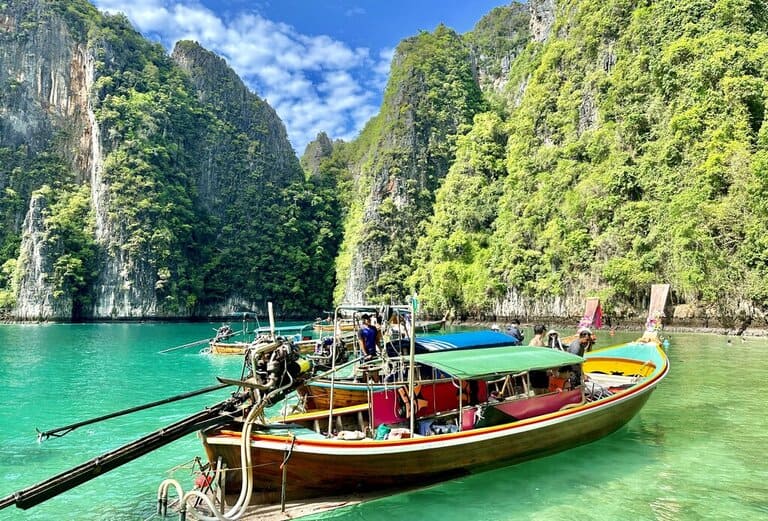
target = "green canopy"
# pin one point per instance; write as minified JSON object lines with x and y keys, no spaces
{"x":467,"y":364}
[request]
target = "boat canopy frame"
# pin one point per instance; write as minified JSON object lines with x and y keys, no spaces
{"x":476,"y":364}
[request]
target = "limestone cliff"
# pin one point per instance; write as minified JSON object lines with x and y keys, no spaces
{"x":219,"y":88}
{"x":38,"y":296}
{"x":317,"y":150}
{"x":164,"y":178}
{"x":400,"y":159}
{"x":496,"y":41}
{"x":45,"y":137}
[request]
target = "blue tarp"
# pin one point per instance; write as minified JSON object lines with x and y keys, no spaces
{"x":452,"y":341}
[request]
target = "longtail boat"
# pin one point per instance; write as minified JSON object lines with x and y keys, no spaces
{"x":222,"y":344}
{"x":487,"y":414}
{"x":329,"y":326}
{"x":495,"y":406}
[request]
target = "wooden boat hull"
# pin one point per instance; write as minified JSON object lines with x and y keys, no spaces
{"x":319,"y":466}
{"x":228,"y":348}
{"x":238,"y":348}
{"x":330,"y":328}
{"x":428,"y":327}
{"x":319,"y":397}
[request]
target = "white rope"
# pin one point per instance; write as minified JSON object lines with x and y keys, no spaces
{"x":246,"y":489}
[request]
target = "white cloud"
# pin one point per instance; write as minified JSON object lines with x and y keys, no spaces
{"x":315,"y":83}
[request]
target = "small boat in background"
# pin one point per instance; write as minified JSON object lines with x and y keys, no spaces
{"x":222,"y":345}
{"x":329,"y":325}
{"x":429,"y":326}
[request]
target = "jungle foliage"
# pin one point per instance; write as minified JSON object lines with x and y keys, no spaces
{"x":636,"y":154}
{"x":254,"y":240}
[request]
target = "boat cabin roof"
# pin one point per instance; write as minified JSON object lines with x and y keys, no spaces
{"x":463,"y":340}
{"x":472,"y":364}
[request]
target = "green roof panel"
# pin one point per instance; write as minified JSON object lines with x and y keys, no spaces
{"x":467,"y":364}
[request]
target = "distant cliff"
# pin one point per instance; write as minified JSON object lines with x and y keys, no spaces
{"x":137,"y":185}
{"x":400,"y":159}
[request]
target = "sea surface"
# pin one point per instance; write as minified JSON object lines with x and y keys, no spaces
{"x":696,"y":451}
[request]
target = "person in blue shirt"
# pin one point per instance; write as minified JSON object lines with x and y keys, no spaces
{"x":367,"y":336}
{"x":515,"y":331}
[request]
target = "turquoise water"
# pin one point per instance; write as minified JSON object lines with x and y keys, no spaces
{"x":696,"y":451}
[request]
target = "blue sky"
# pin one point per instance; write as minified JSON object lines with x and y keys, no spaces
{"x":321,"y":64}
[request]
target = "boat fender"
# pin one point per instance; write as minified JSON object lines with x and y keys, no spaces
{"x":350,"y":435}
{"x":203,"y":481}
{"x":299,"y":366}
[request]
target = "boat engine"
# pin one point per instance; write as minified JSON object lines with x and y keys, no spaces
{"x":276,"y":365}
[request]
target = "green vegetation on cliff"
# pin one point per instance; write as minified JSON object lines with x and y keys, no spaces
{"x":204,"y":202}
{"x":629,"y":147}
{"x":400,"y":159}
{"x":636,"y":155}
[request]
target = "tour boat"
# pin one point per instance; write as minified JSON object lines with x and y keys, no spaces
{"x":487,"y":412}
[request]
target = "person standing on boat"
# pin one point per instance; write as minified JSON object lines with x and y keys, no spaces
{"x":538,"y":336}
{"x":515,"y":331}
{"x":582,"y":344}
{"x":539,"y":379}
{"x":367,"y":337}
{"x":553,"y":340}
{"x":579,"y":346}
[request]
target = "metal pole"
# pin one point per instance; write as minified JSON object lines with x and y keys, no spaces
{"x":333,"y":371}
{"x":61,"y":431}
{"x":412,"y":355}
{"x":271,"y":320}
{"x":461,"y":404}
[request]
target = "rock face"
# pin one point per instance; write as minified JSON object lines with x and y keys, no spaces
{"x":408,"y":150}
{"x":43,"y":112}
{"x":38,"y":299}
{"x":175,"y":168}
{"x":496,"y":41}
{"x":317,"y":150}
{"x":542,"y":18}
{"x":217,"y":86}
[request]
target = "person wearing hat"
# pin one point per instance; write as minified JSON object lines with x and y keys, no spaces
{"x":553,"y":340}
{"x":367,"y":337}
